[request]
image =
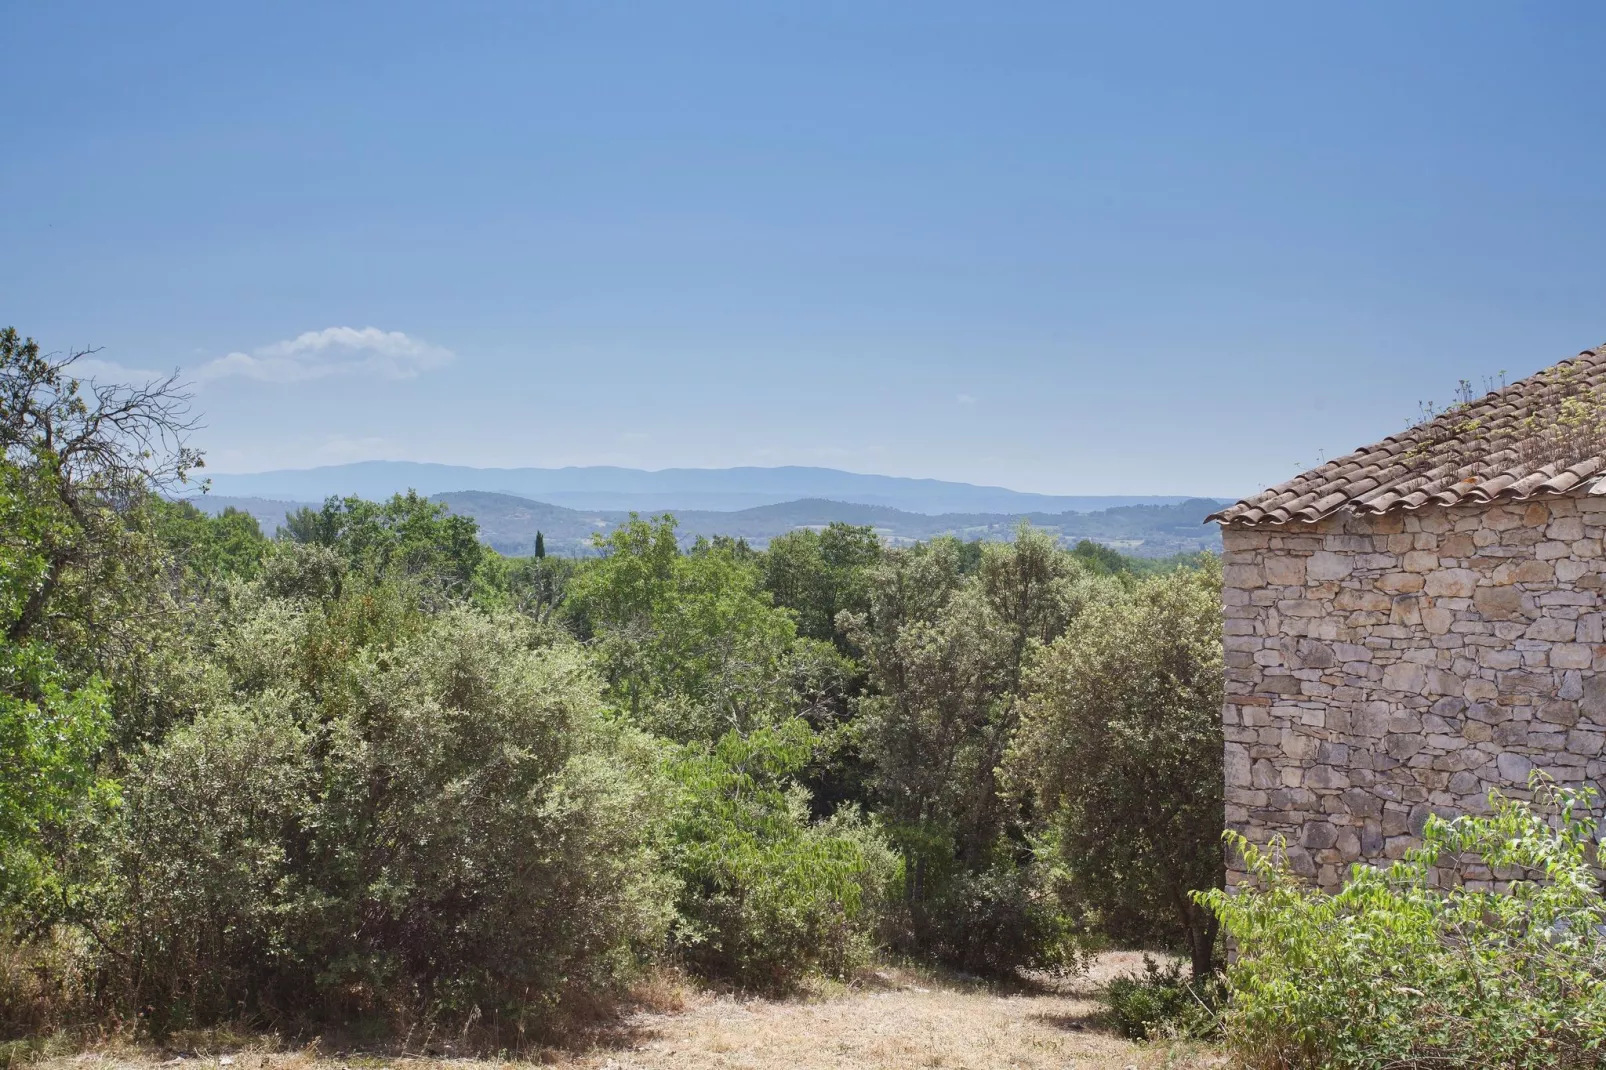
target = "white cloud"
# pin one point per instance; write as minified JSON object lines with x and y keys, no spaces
{"x":107,"y":371}
{"x":964,"y":399}
{"x":369,"y":353}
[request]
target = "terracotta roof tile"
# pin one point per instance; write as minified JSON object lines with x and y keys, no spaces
{"x":1544,"y":435}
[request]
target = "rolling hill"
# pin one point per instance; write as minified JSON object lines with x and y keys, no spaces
{"x":509,"y":522}
{"x":676,"y":489}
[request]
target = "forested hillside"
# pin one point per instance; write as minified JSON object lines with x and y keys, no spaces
{"x":509,"y":524}
{"x":666,"y":490}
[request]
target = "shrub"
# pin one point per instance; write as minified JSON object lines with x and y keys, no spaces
{"x":429,"y":817}
{"x":1482,"y":948}
{"x":1161,"y":1003}
{"x":991,"y":921}
{"x":766,"y":896}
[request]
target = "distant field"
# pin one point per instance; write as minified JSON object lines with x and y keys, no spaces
{"x":509,"y":523}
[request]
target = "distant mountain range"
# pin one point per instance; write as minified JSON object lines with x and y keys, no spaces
{"x":672,"y":489}
{"x":508,"y":523}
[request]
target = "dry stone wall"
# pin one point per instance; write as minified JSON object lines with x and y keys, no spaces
{"x":1383,"y":668}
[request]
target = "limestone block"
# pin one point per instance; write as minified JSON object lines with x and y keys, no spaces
{"x":1371,"y":720}
{"x":1299,"y":860}
{"x":1550,"y":551}
{"x":1349,"y":599}
{"x":1298,"y":746}
{"x":1502,"y":518}
{"x":1524,"y":571}
{"x":1318,"y":835}
{"x":1570,"y":569}
{"x":1514,"y":768}
{"x":1404,"y":676}
{"x":1585,"y":743}
{"x":1403,"y":746}
{"x":1496,"y":658}
{"x":1566,"y":529}
{"x":1406,"y":609}
{"x":1571,"y":656}
{"x":1552,"y":630}
{"x":1326,"y":565}
{"x":1440,"y":682}
{"x":1400,"y":583}
{"x":1284,"y":570}
{"x":1420,"y":561}
{"x":1372,"y":839}
{"x":1243,"y":576}
{"x":1559,"y":711}
{"x":1237,"y":765}
{"x":1498,"y":603}
{"x":1452,"y":583}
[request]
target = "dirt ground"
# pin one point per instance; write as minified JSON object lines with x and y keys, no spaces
{"x":890,"y":1018}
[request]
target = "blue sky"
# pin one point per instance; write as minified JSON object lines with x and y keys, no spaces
{"x":1112,"y":248}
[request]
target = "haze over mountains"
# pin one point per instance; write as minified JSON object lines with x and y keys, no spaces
{"x":757,"y":504}
{"x":677,"y":489}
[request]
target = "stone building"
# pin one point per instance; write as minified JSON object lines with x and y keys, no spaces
{"x":1415,"y":623}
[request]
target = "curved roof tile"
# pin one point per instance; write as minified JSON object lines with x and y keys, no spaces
{"x":1544,"y":435}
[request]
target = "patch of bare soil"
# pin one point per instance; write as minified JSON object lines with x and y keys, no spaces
{"x":889,"y":1018}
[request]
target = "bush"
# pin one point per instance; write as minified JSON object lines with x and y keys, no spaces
{"x":1160,"y":1003}
{"x":1482,"y":948}
{"x":428,"y":818}
{"x":766,"y":896}
{"x":994,"y":921}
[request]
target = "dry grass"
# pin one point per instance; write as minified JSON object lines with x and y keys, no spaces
{"x":889,"y":1018}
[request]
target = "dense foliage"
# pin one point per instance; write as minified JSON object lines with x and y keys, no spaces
{"x":1485,"y":947}
{"x":1160,"y":1003}
{"x":371,"y":774}
{"x":1120,"y":748}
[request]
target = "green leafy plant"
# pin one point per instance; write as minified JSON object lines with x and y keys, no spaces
{"x":1482,"y":948}
{"x":767,"y":896}
{"x":1161,"y":1003}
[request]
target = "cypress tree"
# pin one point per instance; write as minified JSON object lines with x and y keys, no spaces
{"x":540,"y":545}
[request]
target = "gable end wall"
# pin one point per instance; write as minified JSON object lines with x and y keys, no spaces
{"x":1382,"y":668}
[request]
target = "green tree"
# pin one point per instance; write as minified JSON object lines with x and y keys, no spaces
{"x":51,"y":735}
{"x":409,"y":535}
{"x":818,"y":574}
{"x":211,"y":548}
{"x":1121,"y":747}
{"x":946,"y":650}
{"x":83,"y":583}
{"x":86,"y":458}
{"x":540,"y":546}
{"x":690,"y":644}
